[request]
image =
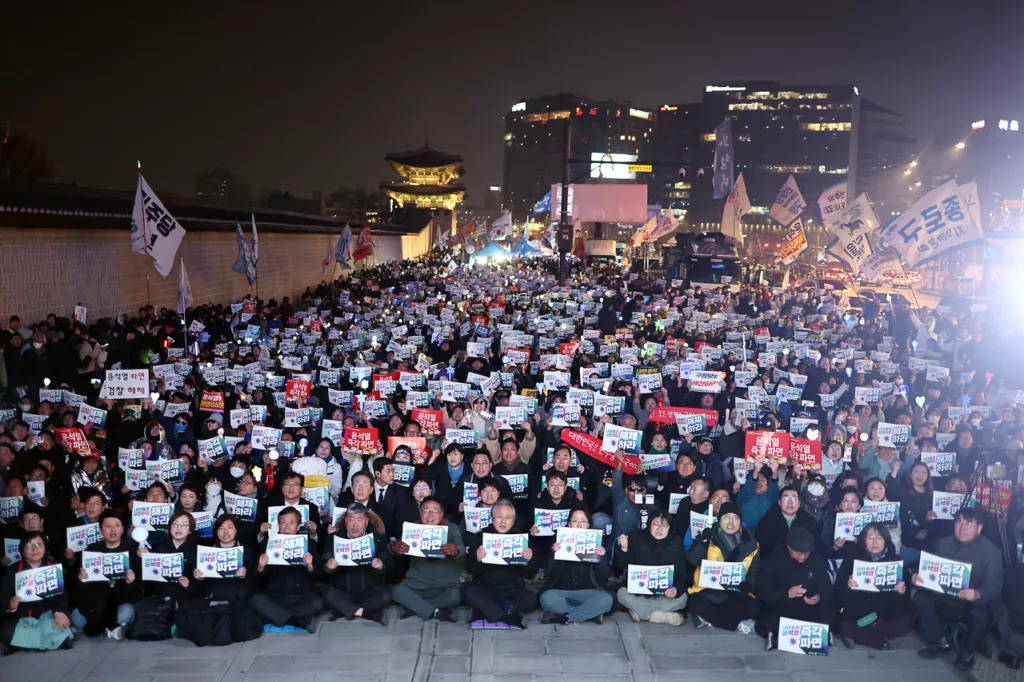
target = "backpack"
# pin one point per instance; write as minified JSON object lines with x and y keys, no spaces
{"x":210,"y":623}
{"x":153,"y":618}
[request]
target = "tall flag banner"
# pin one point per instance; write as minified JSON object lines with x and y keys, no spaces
{"x":969,"y":196}
{"x":443,"y":233}
{"x":737,"y":205}
{"x":666,"y":225}
{"x":342,"y":250}
{"x":549,"y":235}
{"x":155,"y":232}
{"x":578,"y":243}
{"x":243,"y":265}
{"x":723,"y":179}
{"x":795,"y":243}
{"x":467,"y":229}
{"x":501,"y":228}
{"x":327,"y":259}
{"x":184,"y":290}
{"x":880,"y":262}
{"x":938,"y":222}
{"x":544,"y":205}
{"x":255,"y":242}
{"x":364,"y":244}
{"x":852,"y":227}
{"x":832,"y":202}
{"x":643,"y":234}
{"x":789,"y":203}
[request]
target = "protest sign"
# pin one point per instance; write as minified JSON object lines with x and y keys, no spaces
{"x":577,"y":544}
{"x":946,"y":505}
{"x":425,"y":541}
{"x":152,"y":516}
{"x":287,"y":550}
{"x":220,"y":562}
{"x":850,"y":524}
{"x":103,"y":566}
{"x":242,"y":507}
{"x":805,"y":452}
{"x":162,"y":568}
{"x":505,"y":549}
{"x":773,"y":445}
{"x":939,"y":463}
{"x":802,"y":637}
{"x":430,"y":421}
{"x":883,"y":512}
{"x":893,"y":435}
{"x":417,"y":444}
{"x":355,"y":551}
{"x":73,"y":439}
{"x":649,"y":579}
{"x":80,"y":537}
{"x":37,"y":584}
{"x":477,"y":518}
{"x":125,"y":384}
{"x":620,"y":438}
{"x":548,"y":521}
{"x":877,"y":576}
{"x":360,"y":441}
{"x":722,"y":575}
{"x":943,"y":575}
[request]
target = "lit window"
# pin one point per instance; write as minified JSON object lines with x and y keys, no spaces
{"x":559,"y":114}
{"x":751,"y":106}
{"x":708,"y":137}
{"x":827,"y":126}
{"x":508,"y":136}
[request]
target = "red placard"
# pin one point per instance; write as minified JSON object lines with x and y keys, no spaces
{"x":417,"y":445}
{"x":297,"y":390}
{"x":699,"y":345}
{"x":591,"y":446}
{"x":430,"y":420}
{"x":805,"y":452}
{"x":249,"y":307}
{"x":212,"y":402}
{"x":360,"y":441}
{"x":667,"y":415}
{"x":73,"y":440}
{"x":385,"y":376}
{"x":772,"y":445}
{"x":479,"y":319}
{"x":569,"y":348}
{"x":358,"y":400}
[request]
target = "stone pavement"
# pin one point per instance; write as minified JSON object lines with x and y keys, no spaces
{"x":412,"y":651}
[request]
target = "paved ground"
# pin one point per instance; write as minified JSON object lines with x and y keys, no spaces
{"x":409,"y":650}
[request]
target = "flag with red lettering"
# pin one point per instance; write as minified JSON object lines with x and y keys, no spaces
{"x":364,"y":244}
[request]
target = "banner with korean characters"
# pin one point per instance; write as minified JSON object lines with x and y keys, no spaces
{"x":650,"y":579}
{"x":103,"y":566}
{"x":152,"y":516}
{"x":80,"y":537}
{"x":477,"y":518}
{"x":287,"y":550}
{"x":722,"y":575}
{"x":549,"y":521}
{"x":850,"y":524}
{"x":163,"y":568}
{"x":220,"y":562}
{"x":802,"y":637}
{"x":773,"y":445}
{"x":946,"y":505}
{"x":37,"y":584}
{"x":939,"y":463}
{"x":883,"y":512}
{"x":578,"y":544}
{"x":354,"y":552}
{"x":121,"y":384}
{"x":505,"y":549}
{"x":943,"y":575}
{"x":893,"y":435}
{"x":424,"y":541}
{"x":245,"y":508}
{"x":877,"y":576}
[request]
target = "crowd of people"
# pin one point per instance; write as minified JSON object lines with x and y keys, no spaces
{"x":434,"y":435}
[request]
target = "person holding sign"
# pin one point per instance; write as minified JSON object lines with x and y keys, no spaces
{"x":35,"y":601}
{"x":287,"y":595}
{"x":780,"y":519}
{"x":498,"y":593}
{"x":109,"y":605}
{"x":729,"y":607}
{"x":431,"y":586}
{"x":291,"y":496}
{"x":873,"y":610}
{"x":180,"y":539}
{"x":655,"y":546}
{"x":356,"y":586}
{"x":969,"y":602}
{"x":241,"y":581}
{"x":574,"y":590}
{"x":794,"y":583}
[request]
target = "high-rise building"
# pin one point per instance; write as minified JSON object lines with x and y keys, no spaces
{"x":606,"y":136}
{"x":884,"y":151}
{"x":673,"y":154}
{"x":220,"y":186}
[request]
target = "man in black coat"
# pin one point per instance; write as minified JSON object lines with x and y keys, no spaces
{"x":287,"y":595}
{"x":359,"y":591}
{"x":794,"y":583}
{"x":774,"y":528}
{"x":388,"y":497}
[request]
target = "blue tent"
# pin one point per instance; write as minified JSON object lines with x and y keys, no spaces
{"x":492,"y":250}
{"x":523,"y":248}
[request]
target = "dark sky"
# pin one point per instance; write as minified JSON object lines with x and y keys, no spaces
{"x":308,"y":95}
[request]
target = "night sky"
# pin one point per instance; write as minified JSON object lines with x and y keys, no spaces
{"x":312,"y":95}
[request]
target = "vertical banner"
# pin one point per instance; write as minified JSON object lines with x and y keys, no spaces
{"x":723,"y":178}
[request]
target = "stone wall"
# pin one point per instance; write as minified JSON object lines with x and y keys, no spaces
{"x":52,"y":270}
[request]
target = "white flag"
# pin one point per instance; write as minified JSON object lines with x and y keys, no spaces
{"x":737,"y":205}
{"x":788,"y":204}
{"x":155,"y":232}
{"x":255,"y":242}
{"x":938,"y":222}
{"x":502,"y":227}
{"x":852,"y":227}
{"x":881,"y":261}
{"x":832,"y":202}
{"x":184,"y":290}
{"x":643,"y":234}
{"x":667,"y":224}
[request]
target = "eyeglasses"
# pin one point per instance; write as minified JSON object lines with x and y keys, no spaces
{"x":661,"y":526}
{"x":180,"y":524}
{"x":431,"y":512}
{"x":635,"y":489}
{"x":35,"y":545}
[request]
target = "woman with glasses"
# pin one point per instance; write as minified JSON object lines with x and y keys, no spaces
{"x":248,"y":528}
{"x":655,"y":546}
{"x":44,"y":624}
{"x":727,"y":540}
{"x":574,"y":591}
{"x":872,"y":618}
{"x":180,"y":539}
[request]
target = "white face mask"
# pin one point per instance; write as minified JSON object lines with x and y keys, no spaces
{"x":851,"y":429}
{"x":816,"y":489}
{"x":975,"y":423}
{"x":37,"y":346}
{"x":237,"y":473}
{"x":213,"y":490}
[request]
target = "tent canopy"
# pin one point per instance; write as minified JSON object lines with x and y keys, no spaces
{"x":523,"y":248}
{"x":491,"y":251}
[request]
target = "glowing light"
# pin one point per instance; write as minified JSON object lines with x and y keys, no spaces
{"x":961,"y":145}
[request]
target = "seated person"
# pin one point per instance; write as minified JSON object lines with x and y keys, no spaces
{"x":726,"y":540}
{"x":892,"y":612}
{"x":1011,"y":617}
{"x":46,"y":620}
{"x":180,"y":538}
{"x":839,"y":549}
{"x":388,"y":497}
{"x":656,"y":545}
{"x":971,"y":605}
{"x":794,"y":583}
{"x":774,"y":528}
{"x":238,"y":588}
{"x":498,"y":593}
{"x":287,"y":595}
{"x":290,"y":495}
{"x":628,"y":492}
{"x":574,"y":590}
{"x":557,"y":495}
{"x":109,"y":605}
{"x":760,"y":493}
{"x":360,"y":591}
{"x":431,"y":586}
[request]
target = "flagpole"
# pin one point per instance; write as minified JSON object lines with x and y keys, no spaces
{"x":145,"y":235}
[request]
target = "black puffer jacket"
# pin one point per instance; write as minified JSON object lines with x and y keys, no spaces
{"x":645,"y":550}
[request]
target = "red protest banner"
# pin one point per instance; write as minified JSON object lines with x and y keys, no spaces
{"x":73,"y":440}
{"x":360,"y":441}
{"x":667,"y":415}
{"x":591,"y":446}
{"x":297,"y":390}
{"x":358,"y":400}
{"x":700,"y":345}
{"x":430,"y":420}
{"x":418,"y":445}
{"x":386,"y":376}
{"x":805,"y":452}
{"x":249,"y":307}
{"x":772,"y":445}
{"x":212,"y":402}
{"x":568,"y":348}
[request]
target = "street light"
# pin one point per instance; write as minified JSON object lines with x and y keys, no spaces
{"x":961,"y":145}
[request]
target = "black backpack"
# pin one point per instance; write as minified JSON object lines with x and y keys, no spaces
{"x":208,"y":623}
{"x":153,"y":619}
